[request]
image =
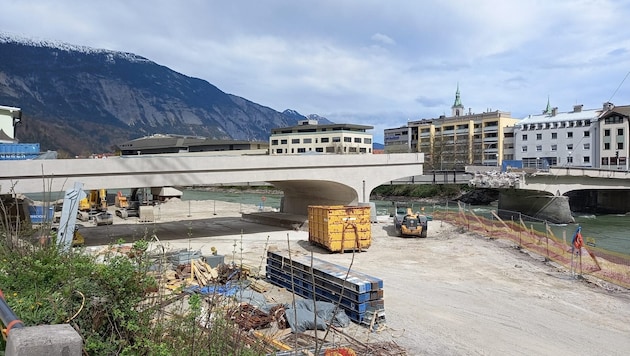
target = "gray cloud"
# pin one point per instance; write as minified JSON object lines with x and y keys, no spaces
{"x":373,"y":61}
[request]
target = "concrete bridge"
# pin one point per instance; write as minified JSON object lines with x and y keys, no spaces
{"x":305,"y":179}
{"x":552,"y":194}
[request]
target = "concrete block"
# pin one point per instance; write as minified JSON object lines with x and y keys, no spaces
{"x":51,"y":340}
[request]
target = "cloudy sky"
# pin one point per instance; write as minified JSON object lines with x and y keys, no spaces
{"x":368,"y":62}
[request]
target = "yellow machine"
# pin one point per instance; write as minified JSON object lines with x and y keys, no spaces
{"x":410,"y":224}
{"x":95,"y":200}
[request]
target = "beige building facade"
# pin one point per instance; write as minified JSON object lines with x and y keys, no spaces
{"x":456,"y":141}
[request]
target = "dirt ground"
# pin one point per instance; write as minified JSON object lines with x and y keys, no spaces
{"x":452,"y":293}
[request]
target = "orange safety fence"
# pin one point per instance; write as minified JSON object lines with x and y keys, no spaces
{"x":607,"y":265}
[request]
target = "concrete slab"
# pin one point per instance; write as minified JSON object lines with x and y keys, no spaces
{"x":59,"y":339}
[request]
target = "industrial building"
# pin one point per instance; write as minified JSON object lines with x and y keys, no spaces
{"x":169,"y":143}
{"x":10,"y":148}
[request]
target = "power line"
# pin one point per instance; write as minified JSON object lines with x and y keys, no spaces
{"x":620,"y":84}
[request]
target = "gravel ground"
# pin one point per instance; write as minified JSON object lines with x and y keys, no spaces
{"x":453,"y":293}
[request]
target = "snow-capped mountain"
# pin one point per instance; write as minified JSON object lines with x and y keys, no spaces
{"x":83,"y":100}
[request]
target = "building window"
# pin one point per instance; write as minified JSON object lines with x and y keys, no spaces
{"x":539,"y":136}
{"x":569,"y":159}
{"x":620,"y":145}
{"x":279,"y":150}
{"x":352,"y":149}
{"x":367,"y":140}
{"x":336,"y":139}
{"x":554,"y":147}
{"x":295,"y":140}
{"x":554,"y":135}
{"x":587,"y":159}
{"x":325,"y":140}
{"x":587,"y":146}
{"x":274,"y":142}
{"x":619,"y":132}
{"x":319,"y":149}
{"x":357,"y":140}
{"x":524,"y":137}
{"x":606,"y":145}
{"x":347,"y":139}
{"x":283,"y":142}
{"x":607,"y":132}
{"x":524,"y":149}
{"x":570,"y":146}
{"x":330,"y":150}
{"x":587,"y":133}
{"x":570,"y":134}
{"x":362,"y":150}
{"x":538,"y":148}
{"x":301,"y":150}
{"x":307,"y":140}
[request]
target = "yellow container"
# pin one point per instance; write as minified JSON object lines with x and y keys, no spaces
{"x":340,"y":228}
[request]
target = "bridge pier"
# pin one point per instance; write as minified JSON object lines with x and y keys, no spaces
{"x":540,"y":205}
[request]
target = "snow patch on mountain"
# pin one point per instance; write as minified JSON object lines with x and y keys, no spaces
{"x":13,"y":38}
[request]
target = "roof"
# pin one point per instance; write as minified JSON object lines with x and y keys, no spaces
{"x":169,"y":140}
{"x":623,"y":110}
{"x":563,"y":116}
{"x":327,"y":126}
{"x":9,"y":108}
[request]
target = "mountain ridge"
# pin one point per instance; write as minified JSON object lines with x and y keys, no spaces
{"x":82,"y":100}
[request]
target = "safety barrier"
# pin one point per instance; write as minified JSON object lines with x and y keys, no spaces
{"x":579,"y":258}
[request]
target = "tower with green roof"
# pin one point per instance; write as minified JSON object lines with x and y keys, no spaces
{"x":458,"y":107}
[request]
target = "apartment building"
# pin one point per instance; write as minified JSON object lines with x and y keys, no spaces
{"x":611,"y":142}
{"x":310,"y":137}
{"x":558,"y":138}
{"x":456,"y":141}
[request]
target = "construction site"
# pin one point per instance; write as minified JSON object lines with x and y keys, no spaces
{"x":349,"y":284}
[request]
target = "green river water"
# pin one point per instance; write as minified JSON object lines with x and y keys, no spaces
{"x":610,"y":232}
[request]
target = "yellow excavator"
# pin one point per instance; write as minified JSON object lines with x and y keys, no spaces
{"x":93,"y":203}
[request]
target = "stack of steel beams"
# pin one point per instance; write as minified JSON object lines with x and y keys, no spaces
{"x":359,"y":294}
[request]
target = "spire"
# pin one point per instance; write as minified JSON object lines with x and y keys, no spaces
{"x":458,"y":107}
{"x":548,"y":109}
{"x":458,"y":100}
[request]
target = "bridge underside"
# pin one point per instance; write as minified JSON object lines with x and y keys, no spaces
{"x":299,"y":194}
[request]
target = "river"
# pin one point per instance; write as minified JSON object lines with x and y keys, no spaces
{"x":610,"y":232}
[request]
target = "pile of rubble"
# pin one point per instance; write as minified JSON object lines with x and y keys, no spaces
{"x":494,"y":179}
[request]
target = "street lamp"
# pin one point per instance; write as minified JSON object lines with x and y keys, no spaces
{"x":496,"y":155}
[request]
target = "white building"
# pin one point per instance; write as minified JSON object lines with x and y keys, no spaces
{"x":9,"y":118}
{"x":611,"y":145}
{"x":557,"y":138}
{"x":309,"y":137}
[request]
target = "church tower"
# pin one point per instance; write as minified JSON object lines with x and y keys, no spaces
{"x":458,"y":107}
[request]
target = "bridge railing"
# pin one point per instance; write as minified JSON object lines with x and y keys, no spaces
{"x":539,"y":237}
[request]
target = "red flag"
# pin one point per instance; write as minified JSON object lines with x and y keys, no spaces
{"x":578,"y":242}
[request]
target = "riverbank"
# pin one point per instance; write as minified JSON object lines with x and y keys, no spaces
{"x":452,"y":293}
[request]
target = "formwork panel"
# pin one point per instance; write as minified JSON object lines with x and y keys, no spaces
{"x":340,"y":228}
